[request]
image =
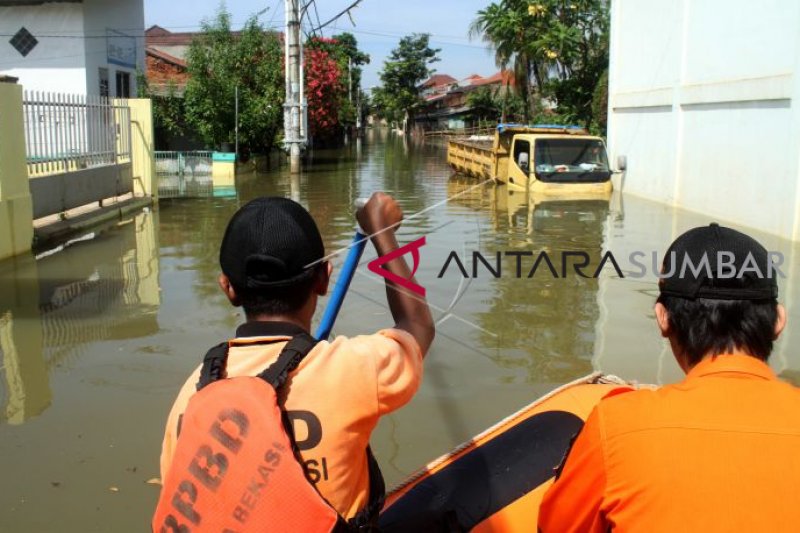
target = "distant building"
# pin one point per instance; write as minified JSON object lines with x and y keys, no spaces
{"x":176,"y":44}
{"x":704,"y":101}
{"x":89,"y":47}
{"x":445,"y":99}
{"x":166,"y":53}
{"x":165,"y":73}
{"x":436,"y":84}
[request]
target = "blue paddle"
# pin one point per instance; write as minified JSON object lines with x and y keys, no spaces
{"x":343,"y":282}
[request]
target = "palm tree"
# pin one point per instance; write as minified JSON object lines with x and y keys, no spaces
{"x":505,"y":26}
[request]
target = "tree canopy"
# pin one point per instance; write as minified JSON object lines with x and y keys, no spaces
{"x":558,"y":50}
{"x":327,"y":64}
{"x":406,"y":67}
{"x":218,"y":61}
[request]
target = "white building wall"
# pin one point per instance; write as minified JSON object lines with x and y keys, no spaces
{"x":705,"y":104}
{"x":54,"y":64}
{"x":75,"y":41}
{"x":119,"y":23}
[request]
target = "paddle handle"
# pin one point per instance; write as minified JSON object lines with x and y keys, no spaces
{"x":343,"y":281}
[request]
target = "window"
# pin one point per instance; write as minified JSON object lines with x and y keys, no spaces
{"x":123,"y":84}
{"x":103,"y":77}
{"x":522,"y":154}
{"x":23,"y":42}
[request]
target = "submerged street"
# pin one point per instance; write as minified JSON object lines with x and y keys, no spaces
{"x":97,"y":337}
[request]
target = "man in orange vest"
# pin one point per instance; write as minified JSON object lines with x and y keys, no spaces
{"x":717,"y":451}
{"x":272,"y":261}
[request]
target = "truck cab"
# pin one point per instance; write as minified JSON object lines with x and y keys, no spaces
{"x":549,"y":158}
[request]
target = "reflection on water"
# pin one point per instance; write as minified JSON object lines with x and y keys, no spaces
{"x":105,"y":288}
{"x":96,"y":339}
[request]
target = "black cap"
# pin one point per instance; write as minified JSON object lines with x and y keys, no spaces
{"x":736,"y":266}
{"x":269,"y":243}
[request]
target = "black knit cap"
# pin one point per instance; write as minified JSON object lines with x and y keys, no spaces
{"x":269,"y":243}
{"x":749,"y":275}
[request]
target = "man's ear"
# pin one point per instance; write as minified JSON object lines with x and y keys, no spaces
{"x":230,"y":292}
{"x":662,"y":319}
{"x":780,"y":321}
{"x":323,"y":278}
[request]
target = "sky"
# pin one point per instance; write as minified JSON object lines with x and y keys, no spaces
{"x":379,"y":25}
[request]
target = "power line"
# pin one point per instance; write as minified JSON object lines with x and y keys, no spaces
{"x":316,"y":12}
{"x":342,"y":13}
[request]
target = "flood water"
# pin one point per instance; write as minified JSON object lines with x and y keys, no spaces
{"x":97,"y":338}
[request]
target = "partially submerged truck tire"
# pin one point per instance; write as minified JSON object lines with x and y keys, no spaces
{"x":546,"y":159}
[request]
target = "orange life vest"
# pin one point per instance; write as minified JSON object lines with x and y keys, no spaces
{"x":235,"y":466}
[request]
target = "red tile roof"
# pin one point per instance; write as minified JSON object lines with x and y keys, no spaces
{"x":438,"y":80}
{"x":154,"y":52}
{"x":504,"y":77}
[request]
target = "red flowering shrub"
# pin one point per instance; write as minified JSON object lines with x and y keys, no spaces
{"x":324,"y":91}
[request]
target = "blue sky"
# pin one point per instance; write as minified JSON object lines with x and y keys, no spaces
{"x":379,"y":26}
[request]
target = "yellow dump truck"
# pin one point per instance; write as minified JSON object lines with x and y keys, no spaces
{"x":547,"y":159}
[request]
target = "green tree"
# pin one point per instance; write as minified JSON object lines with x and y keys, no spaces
{"x":600,"y":104}
{"x":485,"y":105}
{"x":218,"y":62}
{"x":557,"y":49}
{"x":169,"y":112}
{"x":505,"y":26}
{"x":351,"y":58}
{"x":406,"y":67}
{"x":498,"y":104}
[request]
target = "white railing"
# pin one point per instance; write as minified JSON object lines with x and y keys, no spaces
{"x":66,"y":133}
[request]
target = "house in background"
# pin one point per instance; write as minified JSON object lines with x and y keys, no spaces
{"x":165,"y":73}
{"x":90,"y":47}
{"x":175,"y":44}
{"x":436,"y":85}
{"x":445,"y":99}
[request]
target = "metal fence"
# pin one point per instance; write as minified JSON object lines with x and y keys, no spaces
{"x":184,"y":174}
{"x":192,"y":163}
{"x":66,"y":133}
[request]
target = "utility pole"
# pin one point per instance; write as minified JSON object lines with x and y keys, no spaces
{"x":236,"y":114}
{"x":293,"y":119}
{"x":350,"y":78}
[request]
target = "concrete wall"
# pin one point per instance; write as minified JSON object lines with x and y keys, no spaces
{"x":16,"y":208}
{"x":142,"y":148}
{"x":703,"y":101}
{"x":55,"y":64}
{"x":75,"y":41}
{"x":628,"y":342}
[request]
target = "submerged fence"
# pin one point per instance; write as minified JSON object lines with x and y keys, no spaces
{"x":184,"y":174}
{"x":192,"y":163}
{"x":65,"y":133}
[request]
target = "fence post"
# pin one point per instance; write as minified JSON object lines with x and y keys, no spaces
{"x":16,"y":207}
{"x":142,"y":148}
{"x":223,"y":172}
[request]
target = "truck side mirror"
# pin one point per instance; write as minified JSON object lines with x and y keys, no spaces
{"x":622,"y":162}
{"x":522,"y":161}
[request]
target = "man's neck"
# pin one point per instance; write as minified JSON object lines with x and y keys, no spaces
{"x":302,"y":322}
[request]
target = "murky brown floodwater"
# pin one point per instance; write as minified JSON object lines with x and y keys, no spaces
{"x":97,"y":338}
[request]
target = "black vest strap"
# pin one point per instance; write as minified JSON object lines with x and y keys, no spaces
{"x":214,"y":368}
{"x":291,"y":356}
{"x":367,"y":518}
{"x":214,"y":365}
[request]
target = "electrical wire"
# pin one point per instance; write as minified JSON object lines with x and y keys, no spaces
{"x":342,"y":13}
{"x":434,"y":38}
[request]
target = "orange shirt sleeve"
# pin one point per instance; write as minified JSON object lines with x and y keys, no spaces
{"x":171,"y":430}
{"x":573,"y":502}
{"x":398,"y":368}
